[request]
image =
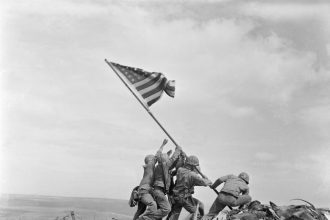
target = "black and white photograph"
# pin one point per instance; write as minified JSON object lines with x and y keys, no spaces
{"x":165,"y":110}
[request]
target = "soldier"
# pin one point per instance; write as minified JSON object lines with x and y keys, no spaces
{"x":187,"y":178}
{"x":146,"y":200}
{"x":180,"y":163}
{"x":235,"y":192}
{"x":162,"y":182}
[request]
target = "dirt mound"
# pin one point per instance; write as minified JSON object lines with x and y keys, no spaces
{"x":255,"y":211}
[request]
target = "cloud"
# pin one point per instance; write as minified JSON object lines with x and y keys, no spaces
{"x":233,"y":72}
{"x":317,"y":116}
{"x":240,"y":96}
{"x":49,"y":8}
{"x":286,"y":10}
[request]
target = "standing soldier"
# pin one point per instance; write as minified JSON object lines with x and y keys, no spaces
{"x":146,"y":203}
{"x":186,"y":179}
{"x":178,"y":164}
{"x":162,"y":182}
{"x":235,"y":192}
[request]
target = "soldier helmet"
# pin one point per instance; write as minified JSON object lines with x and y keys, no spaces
{"x":192,"y":160}
{"x":149,"y":158}
{"x":244,"y":176}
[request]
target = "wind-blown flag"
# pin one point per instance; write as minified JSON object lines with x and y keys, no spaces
{"x":150,"y":85}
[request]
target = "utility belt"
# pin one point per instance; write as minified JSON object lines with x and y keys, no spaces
{"x":182,"y":193}
{"x":160,"y":188}
{"x":228,"y":194}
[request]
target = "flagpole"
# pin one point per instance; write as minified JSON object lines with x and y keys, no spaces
{"x":150,"y":113}
{"x":144,"y":106}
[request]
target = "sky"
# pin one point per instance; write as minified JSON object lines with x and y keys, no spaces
{"x":252,"y":94}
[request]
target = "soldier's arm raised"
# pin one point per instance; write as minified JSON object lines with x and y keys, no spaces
{"x":175,"y":156}
{"x":160,"y":150}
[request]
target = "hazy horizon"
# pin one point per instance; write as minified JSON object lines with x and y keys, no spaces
{"x":43,"y":195}
{"x":49,"y":207}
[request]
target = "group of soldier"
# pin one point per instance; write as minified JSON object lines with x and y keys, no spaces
{"x":168,"y":184}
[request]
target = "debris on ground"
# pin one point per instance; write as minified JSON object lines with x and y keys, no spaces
{"x":255,"y":211}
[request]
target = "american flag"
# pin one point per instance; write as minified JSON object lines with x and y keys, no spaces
{"x":150,"y":85}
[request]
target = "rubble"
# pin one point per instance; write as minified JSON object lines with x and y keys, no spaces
{"x":255,"y":211}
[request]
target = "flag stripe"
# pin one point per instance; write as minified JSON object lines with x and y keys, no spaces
{"x":148,"y":85}
{"x":154,"y":96}
{"x":152,"y":81}
{"x":169,"y":89}
{"x":160,"y":88}
{"x":153,"y":101}
{"x":155,"y":85}
{"x":145,"y":80}
{"x":172,"y":88}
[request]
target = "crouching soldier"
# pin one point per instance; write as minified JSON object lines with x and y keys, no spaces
{"x":235,"y":192}
{"x":147,"y":205}
{"x":186,"y":179}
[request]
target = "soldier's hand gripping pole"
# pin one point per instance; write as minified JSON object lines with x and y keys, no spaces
{"x":216,"y":191}
{"x":205,"y":177}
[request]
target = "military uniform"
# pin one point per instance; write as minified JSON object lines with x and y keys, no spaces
{"x":162,"y":182}
{"x":235,"y":192}
{"x":147,"y":204}
{"x":183,"y":190}
{"x":140,"y":209}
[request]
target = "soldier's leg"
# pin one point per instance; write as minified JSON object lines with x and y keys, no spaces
{"x":200,"y":206}
{"x":175,"y":210}
{"x":190,"y":205}
{"x":140,"y":209}
{"x":151,"y":206}
{"x":217,"y":206}
{"x":163,"y":204}
{"x":242,"y":200}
